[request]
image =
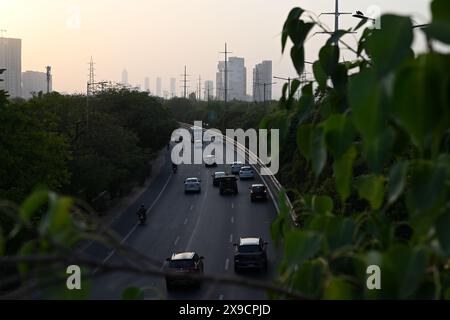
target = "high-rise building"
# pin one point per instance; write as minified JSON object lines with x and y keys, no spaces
{"x":34,"y":82}
{"x":147,"y":84}
{"x":173,"y":87}
{"x":159,"y":87}
{"x":11,"y":60}
{"x":237,"y":80}
{"x":125,"y":77}
{"x":262,"y":74}
{"x":209,"y":87}
{"x":220,"y":81}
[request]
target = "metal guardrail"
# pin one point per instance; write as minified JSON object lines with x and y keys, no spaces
{"x":273,"y":185}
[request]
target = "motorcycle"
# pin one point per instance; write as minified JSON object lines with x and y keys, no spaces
{"x":174,"y":169}
{"x":142,"y":219}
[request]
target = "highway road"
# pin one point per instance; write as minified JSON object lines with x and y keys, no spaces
{"x":206,"y":223}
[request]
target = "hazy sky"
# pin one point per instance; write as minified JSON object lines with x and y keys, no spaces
{"x":158,"y":37}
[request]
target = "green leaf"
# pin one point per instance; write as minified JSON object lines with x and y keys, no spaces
{"x":294,"y":87}
{"x":371,"y":188}
{"x":298,"y":58}
{"x":365,"y":99}
{"x":343,"y":173}
{"x":290,"y":25}
{"x":391,"y":45}
{"x":339,"y":134}
{"x":132,"y":293}
{"x":322,"y":204}
{"x":329,"y":58}
{"x":378,"y":152}
{"x":58,"y":215}
{"x":320,"y":75}
{"x":309,"y":278}
{"x":397,"y":180}
{"x":339,"y":232}
{"x":339,"y":289}
{"x":2,"y":242}
{"x":318,"y":150}
{"x":440,"y":27}
{"x":427,"y":186}
{"x":336,"y":36}
{"x":443,"y":233}
{"x":304,"y":136}
{"x":31,"y":204}
{"x":300,"y":246}
{"x":422,"y":112}
{"x":26,"y":250}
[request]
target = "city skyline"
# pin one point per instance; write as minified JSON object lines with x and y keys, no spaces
{"x":73,"y":31}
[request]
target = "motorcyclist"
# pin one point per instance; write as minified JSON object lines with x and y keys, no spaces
{"x":174,"y":167}
{"x":142,"y":213}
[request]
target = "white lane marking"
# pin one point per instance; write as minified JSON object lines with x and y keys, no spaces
{"x":176,"y":240}
{"x":136,"y":225}
{"x":232,"y":205}
{"x":232,"y":219}
{"x":221,"y":297}
{"x":185,"y":221}
{"x":227,"y":264}
{"x":191,"y":208}
{"x":231,"y":238}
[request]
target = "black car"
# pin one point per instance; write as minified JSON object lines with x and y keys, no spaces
{"x":250,"y":254}
{"x":228,"y":184}
{"x":258,"y":191}
{"x":183,"y":265}
{"x":217,"y":176}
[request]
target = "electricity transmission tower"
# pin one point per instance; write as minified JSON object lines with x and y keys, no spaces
{"x":185,"y":81}
{"x":49,"y":77}
{"x":226,"y":52}
{"x":336,"y":15}
{"x":199,"y":88}
{"x":265,"y":84}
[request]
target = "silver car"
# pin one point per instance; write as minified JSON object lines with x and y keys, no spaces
{"x":192,"y":185}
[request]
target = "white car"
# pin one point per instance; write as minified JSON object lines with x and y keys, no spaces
{"x":246,"y":173}
{"x":236,"y":167}
{"x":192,"y":185}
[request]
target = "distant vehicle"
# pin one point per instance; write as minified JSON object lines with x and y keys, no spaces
{"x":183,"y":265}
{"x":258,"y":191}
{"x":192,"y":185}
{"x":210,"y":161}
{"x":228,"y":184}
{"x":236,"y":167}
{"x":217,"y":176}
{"x":246,"y":173}
{"x":250,"y":253}
{"x":174,"y":168}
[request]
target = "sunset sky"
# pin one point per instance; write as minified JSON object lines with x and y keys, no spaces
{"x":158,"y":37}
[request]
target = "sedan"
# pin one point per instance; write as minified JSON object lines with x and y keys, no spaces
{"x":236,"y":167}
{"x":192,"y":185}
{"x":246,"y":173}
{"x":258,"y":191}
{"x":217,"y":177}
{"x":182,"y":266}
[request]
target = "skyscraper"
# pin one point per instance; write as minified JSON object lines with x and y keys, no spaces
{"x":34,"y":82}
{"x":147,"y":84}
{"x":209,"y":87}
{"x":220,"y":81}
{"x":11,"y":60}
{"x":237,"y":79}
{"x":262,"y":73}
{"x":125,"y":77}
{"x":159,"y":87}
{"x":173,"y":87}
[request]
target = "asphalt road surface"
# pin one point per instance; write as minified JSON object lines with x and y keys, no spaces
{"x":206,"y":223}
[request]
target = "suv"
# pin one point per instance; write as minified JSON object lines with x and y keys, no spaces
{"x":250,"y":253}
{"x":183,"y":265}
{"x":258,"y":191}
{"x":228,"y":184}
{"x":217,"y":176}
{"x":192,"y":185}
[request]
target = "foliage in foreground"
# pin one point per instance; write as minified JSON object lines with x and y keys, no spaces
{"x":372,"y":173}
